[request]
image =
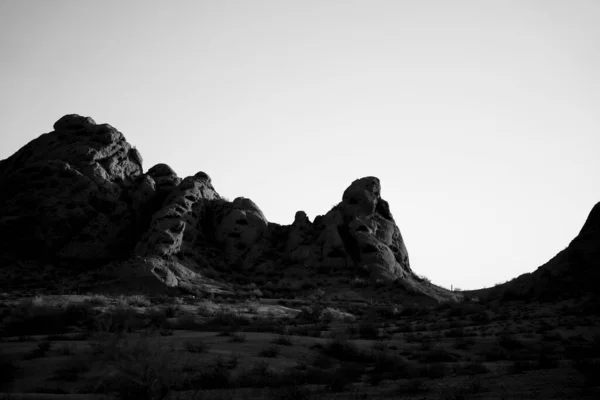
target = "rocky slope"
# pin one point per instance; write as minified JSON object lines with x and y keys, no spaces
{"x":573,"y":272}
{"x":77,"y":198}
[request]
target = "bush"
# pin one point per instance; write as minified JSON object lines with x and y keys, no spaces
{"x":293,"y":391}
{"x":187,"y":322}
{"x":368,"y":330}
{"x":455,"y":333}
{"x":462,"y":391}
{"x":436,"y":355}
{"x":433,"y":371}
{"x":473,"y":368}
{"x":34,"y":317}
{"x":237,"y":337}
{"x":39,"y":351}
{"x":196,"y":346}
{"x":8,"y":371}
{"x":141,"y":363}
{"x":509,"y":342}
{"x":71,"y":370}
{"x":119,"y":319}
{"x":589,"y":369}
{"x":343,"y":350}
{"x":269,"y":352}
{"x":137,"y":300}
{"x":282,"y":340}
{"x":413,"y":386}
{"x":258,"y":375}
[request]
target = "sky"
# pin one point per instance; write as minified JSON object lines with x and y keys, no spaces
{"x":480,"y":118}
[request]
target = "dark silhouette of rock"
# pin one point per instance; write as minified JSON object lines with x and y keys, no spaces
{"x":78,"y":197}
{"x":63,"y":195}
{"x":573,"y":272}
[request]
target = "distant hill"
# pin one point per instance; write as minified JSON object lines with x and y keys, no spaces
{"x":573,"y":272}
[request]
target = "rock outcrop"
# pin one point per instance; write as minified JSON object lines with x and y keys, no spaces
{"x":78,"y":197}
{"x":63,"y":195}
{"x":573,"y":272}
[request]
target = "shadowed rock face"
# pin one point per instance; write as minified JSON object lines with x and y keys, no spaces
{"x":78,"y":197}
{"x":573,"y":272}
{"x":63,"y":196}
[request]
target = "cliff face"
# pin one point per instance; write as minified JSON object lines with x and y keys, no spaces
{"x":78,"y":198}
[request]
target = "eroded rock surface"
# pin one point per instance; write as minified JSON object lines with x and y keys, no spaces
{"x":62,"y":196}
{"x":79,"y":196}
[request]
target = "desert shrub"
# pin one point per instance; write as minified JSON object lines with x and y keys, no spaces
{"x":544,"y":327}
{"x":547,"y":361}
{"x":66,"y":350}
{"x":437,"y":355}
{"x":367,"y":330}
{"x":411,"y":387}
{"x":473,"y":368}
{"x":322,"y":361}
{"x":494,"y":353}
{"x":187,"y":322}
{"x":282,"y":340}
{"x":341,"y":378}
{"x":141,"y":365}
{"x":387,"y":366}
{"x":78,"y":314}
{"x":34,"y":317}
{"x":196,"y":346}
{"x":589,"y":369}
{"x":464,"y":343}
{"x":237,"y":337}
{"x":310,"y":330}
{"x":97,"y":300}
{"x":225,"y":320}
{"x":137,"y":300}
{"x":431,"y":371}
{"x":265,"y":324}
{"x":462,"y":309}
{"x":269,"y":352}
{"x":344,"y":350}
{"x":509,"y":342}
{"x":8,"y":371}
{"x":455,"y":333}
{"x":258,"y":375}
{"x":292,"y":391}
{"x":40,"y":351}
{"x":520,"y":366}
{"x":411,"y":310}
{"x":463,"y":390}
{"x":71,"y":370}
{"x":157,"y":318}
{"x":206,"y":308}
{"x":119,"y":319}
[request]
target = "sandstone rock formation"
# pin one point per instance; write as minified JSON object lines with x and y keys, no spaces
{"x":78,"y":197}
{"x":63,"y":196}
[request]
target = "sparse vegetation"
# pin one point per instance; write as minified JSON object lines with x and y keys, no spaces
{"x":414,"y":351}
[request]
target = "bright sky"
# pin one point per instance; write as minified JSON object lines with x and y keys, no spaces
{"x":481,"y":118}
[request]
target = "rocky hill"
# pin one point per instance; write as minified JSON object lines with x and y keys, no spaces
{"x":77,"y":199}
{"x":573,"y":272}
